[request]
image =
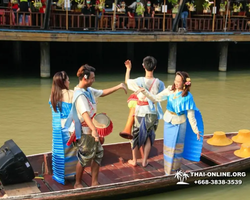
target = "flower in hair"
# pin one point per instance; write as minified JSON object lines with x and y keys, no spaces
{"x":85,"y":76}
{"x":188,"y":81}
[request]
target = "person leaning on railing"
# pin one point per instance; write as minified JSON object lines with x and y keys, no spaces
{"x":137,"y":11}
{"x":149,"y":12}
{"x":123,"y":8}
{"x":88,"y":10}
{"x":24,"y":9}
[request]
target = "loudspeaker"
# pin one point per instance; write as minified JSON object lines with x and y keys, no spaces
{"x":14,"y":166}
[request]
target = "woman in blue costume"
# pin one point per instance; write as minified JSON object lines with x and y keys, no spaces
{"x":182,"y":137}
{"x":64,"y":157}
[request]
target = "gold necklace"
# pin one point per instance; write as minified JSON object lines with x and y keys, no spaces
{"x":175,"y":97}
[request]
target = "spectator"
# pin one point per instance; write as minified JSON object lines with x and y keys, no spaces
{"x":149,"y":12}
{"x":88,"y":10}
{"x":24,"y":9}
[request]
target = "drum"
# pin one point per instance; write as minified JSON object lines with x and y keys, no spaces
{"x":103,"y":124}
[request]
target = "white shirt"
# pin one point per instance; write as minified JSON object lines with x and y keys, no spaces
{"x":132,"y":85}
{"x":84,"y":105}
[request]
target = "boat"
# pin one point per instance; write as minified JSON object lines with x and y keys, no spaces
{"x":116,"y":177}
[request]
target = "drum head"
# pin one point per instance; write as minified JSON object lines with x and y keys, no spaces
{"x":103,"y":124}
{"x":101,"y":121}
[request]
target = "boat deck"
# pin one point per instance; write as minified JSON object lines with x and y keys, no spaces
{"x":115,"y":168}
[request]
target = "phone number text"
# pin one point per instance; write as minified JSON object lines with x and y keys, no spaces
{"x":218,"y":182}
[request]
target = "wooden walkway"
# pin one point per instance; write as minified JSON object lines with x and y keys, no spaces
{"x":122,"y":36}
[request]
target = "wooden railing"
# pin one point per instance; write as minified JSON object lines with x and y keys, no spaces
{"x":10,"y":19}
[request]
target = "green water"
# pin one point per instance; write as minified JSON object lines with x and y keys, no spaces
{"x":223,"y":99}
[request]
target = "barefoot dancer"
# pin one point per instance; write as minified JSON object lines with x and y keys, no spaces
{"x":182,"y":137}
{"x":146,"y":114}
{"x":83,"y":109}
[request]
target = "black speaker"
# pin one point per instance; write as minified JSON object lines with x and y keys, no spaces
{"x":14,"y":165}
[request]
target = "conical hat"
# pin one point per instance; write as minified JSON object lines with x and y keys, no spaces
{"x":244,"y":151}
{"x":219,"y":139}
{"x":243,"y":136}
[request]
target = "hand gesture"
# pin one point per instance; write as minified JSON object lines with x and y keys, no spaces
{"x":123,"y":86}
{"x":141,"y":89}
{"x":95,"y":135}
{"x":128,"y":64}
{"x":199,"y":135}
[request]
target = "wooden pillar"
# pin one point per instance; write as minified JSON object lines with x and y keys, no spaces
{"x":130,"y":51}
{"x":223,"y":56}
{"x":17,"y":51}
{"x":172,"y":51}
{"x":45,"y":60}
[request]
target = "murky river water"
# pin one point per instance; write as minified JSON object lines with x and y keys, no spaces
{"x":223,"y":99}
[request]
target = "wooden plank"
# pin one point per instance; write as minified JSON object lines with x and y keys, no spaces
{"x":202,"y":164}
{"x":21,"y":189}
{"x":110,"y":172}
{"x":42,"y":186}
{"x":190,"y":164}
{"x":153,"y":171}
{"x":211,"y":148}
{"x":127,"y":169}
{"x":102,"y":179}
{"x":86,"y":179}
{"x":54,"y":185}
{"x":130,"y":37}
{"x":120,"y":172}
{"x":230,"y":155}
{"x":216,"y":158}
{"x":138,"y":169}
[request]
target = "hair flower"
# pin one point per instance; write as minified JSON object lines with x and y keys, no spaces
{"x":188,"y":81}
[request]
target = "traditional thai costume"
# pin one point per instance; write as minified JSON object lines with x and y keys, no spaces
{"x":178,"y":130}
{"x":64,"y":158}
{"x":84,"y":101}
{"x":146,"y":113}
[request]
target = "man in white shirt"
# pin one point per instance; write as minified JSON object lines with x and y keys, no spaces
{"x":83,"y":110}
{"x":146,"y":114}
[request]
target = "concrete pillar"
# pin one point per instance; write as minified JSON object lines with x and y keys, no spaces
{"x":45,"y":60}
{"x":130,"y":51}
{"x":223,"y":56}
{"x":172,"y":51}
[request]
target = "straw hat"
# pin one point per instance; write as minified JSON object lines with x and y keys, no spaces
{"x":242,"y":136}
{"x":219,"y":139}
{"x":244,"y":151}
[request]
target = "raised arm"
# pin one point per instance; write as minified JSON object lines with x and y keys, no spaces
{"x":114,"y":89}
{"x":162,"y":96}
{"x":128,"y":65}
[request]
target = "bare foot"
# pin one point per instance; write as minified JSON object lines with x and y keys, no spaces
{"x":78,"y":185}
{"x":95,"y":184}
{"x":133,"y":163}
{"x":144,"y":164}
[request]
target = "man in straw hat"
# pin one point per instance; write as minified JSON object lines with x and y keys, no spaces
{"x":146,"y":113}
{"x":82,"y":112}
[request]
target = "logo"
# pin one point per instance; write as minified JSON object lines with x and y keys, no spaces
{"x":181,"y":176}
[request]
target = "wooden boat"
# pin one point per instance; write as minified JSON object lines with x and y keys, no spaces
{"x":116,"y":177}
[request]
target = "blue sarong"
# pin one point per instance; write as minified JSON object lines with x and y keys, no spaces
{"x":179,"y":140}
{"x":64,"y":158}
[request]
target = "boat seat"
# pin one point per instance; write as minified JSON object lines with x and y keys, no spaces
{"x":21,"y":189}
